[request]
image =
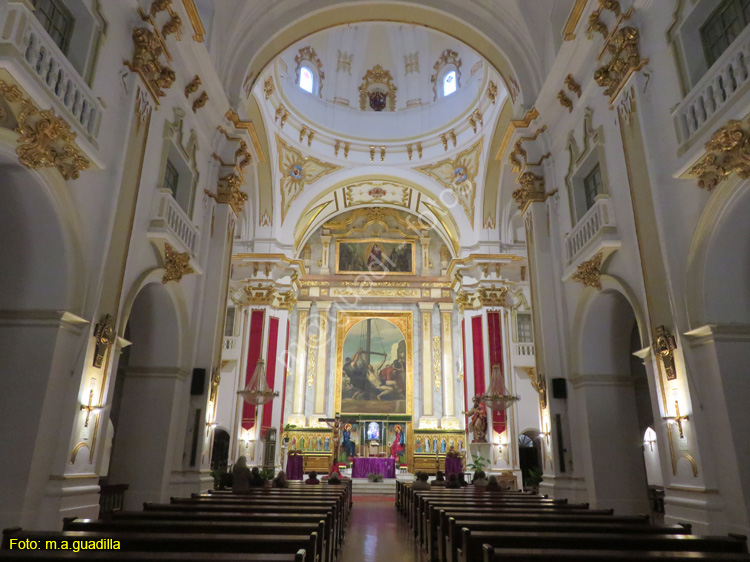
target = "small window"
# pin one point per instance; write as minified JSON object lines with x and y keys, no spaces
{"x":306,"y":79}
{"x":171,"y":178}
{"x":592,"y":186}
{"x":449,"y":83}
{"x":523,"y":326}
{"x":56,"y":20}
{"x":229,"y":322}
{"x":723,"y":26}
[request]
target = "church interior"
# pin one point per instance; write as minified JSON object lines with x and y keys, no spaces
{"x":375,"y":239}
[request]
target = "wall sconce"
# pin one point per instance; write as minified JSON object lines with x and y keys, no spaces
{"x":677,"y":419}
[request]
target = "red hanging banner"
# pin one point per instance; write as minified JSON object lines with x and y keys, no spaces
{"x":253,"y":354}
{"x":495,"y":339}
{"x":286,"y":363}
{"x":477,"y":346}
{"x":273,"y":344}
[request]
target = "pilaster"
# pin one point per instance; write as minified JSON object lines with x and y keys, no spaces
{"x":427,"y":419}
{"x":300,"y":366}
{"x":449,"y":419}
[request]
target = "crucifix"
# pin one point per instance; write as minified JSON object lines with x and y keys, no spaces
{"x":336,"y":437}
{"x":677,"y":418}
{"x":90,"y":408}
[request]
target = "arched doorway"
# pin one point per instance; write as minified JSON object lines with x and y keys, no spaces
{"x":615,"y":406}
{"x":40,"y":332}
{"x":149,"y":397}
{"x":530,"y":457}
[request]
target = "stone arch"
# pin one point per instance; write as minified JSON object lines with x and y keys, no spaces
{"x":153,"y":392}
{"x":721,"y":243}
{"x":43,"y":242}
{"x":605,"y":389}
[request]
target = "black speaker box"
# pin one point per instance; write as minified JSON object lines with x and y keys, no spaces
{"x":559,"y":389}
{"x":198,"y":383}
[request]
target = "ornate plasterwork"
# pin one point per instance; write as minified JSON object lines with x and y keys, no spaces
{"x":565,"y":101}
{"x":149,"y":48}
{"x":228,"y":193}
{"x":436,"y":353}
{"x":727,"y":152}
{"x":492,"y":92}
{"x":296,"y":172}
{"x":308,"y":54}
{"x":268,"y":87}
{"x":45,"y":140}
{"x":459,"y":175}
{"x":493,"y":296}
{"x":176,"y":264}
{"x":384,"y":193}
{"x":589,"y":272}
{"x":377,"y":79}
{"x":531,"y":190}
{"x":626,"y":59}
{"x":447,"y":58}
{"x":192,"y":86}
{"x":572,"y":85}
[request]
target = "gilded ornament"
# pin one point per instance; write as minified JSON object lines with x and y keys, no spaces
{"x":308,"y":54}
{"x":282,"y":114}
{"x":310,"y":136}
{"x":728,"y":152}
{"x":565,"y":101}
{"x":493,"y":296}
{"x":436,"y":361}
{"x":312,"y":359}
{"x":492,"y":91}
{"x":147,"y":62}
{"x":572,"y":85}
{"x":176,"y":264}
{"x":200,"y":102}
{"x":377,"y":81}
{"x":260,"y":295}
{"x":372,"y":153}
{"x":452,"y":137}
{"x":382,"y":154}
{"x":192,"y":87}
{"x":268,"y":87}
{"x":336,"y":147}
{"x":539,"y":382}
{"x":410,"y":151}
{"x":228,"y":193}
{"x":419,"y":150}
{"x":626,"y":59}
{"x":347,"y":146}
{"x":531,"y":190}
{"x":444,"y":140}
{"x":596,"y":25}
{"x":589,"y":272}
{"x":45,"y":140}
{"x":174,"y":25}
{"x":458,"y":175}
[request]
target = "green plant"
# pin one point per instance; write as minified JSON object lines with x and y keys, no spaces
{"x":267,"y":473}
{"x":375,"y":477}
{"x":479,"y":463}
{"x":289,"y":427}
{"x":534,"y":477}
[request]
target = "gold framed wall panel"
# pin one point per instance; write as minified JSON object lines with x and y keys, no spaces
{"x":403,"y":320}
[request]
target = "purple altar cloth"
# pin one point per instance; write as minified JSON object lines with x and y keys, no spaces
{"x":362,"y":466}
{"x":452,"y":466}
{"x":294,"y":467}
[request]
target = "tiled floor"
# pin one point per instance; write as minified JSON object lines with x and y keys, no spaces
{"x":376,"y":533}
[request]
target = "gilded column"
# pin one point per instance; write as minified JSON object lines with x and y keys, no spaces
{"x":321,"y":370}
{"x":427,"y":419}
{"x":449,"y":419}
{"x":298,"y":405}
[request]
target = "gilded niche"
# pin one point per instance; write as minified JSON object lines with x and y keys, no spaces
{"x":45,"y":140}
{"x":377,"y":86}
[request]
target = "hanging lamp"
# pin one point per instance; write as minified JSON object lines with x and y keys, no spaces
{"x":497,"y":397}
{"x":257,"y":391}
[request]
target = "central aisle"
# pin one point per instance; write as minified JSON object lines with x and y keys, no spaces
{"x":376,"y":533}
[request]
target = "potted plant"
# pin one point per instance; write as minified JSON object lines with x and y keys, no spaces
{"x":375,"y":477}
{"x":479,"y":463}
{"x":287,"y":428}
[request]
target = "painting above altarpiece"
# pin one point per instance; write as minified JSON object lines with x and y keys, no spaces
{"x":377,"y":256}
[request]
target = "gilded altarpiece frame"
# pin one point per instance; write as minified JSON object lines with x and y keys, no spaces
{"x":403,"y":320}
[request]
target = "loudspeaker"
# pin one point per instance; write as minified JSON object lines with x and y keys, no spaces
{"x":559,"y":389}
{"x":198,"y":382}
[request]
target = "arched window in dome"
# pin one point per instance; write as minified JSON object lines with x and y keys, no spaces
{"x":306,"y":81}
{"x":449,"y":83}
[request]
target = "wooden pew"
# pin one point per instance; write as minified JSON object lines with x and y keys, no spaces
{"x":176,"y":542}
{"x":584,"y":518}
{"x":549,"y":555}
{"x":121,"y":526}
{"x":453,"y":537}
{"x":472,"y":542}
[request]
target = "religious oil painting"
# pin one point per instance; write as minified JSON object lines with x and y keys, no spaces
{"x":374,"y":363}
{"x":375,"y":255}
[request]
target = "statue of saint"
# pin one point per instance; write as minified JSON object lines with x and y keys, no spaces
{"x":478,"y":421}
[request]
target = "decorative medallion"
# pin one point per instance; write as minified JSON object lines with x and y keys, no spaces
{"x":377,"y":86}
{"x":459,"y":175}
{"x":664,"y":346}
{"x":176,"y":264}
{"x":296,"y":172}
{"x":45,"y":140}
{"x":589,"y":272}
{"x":376,"y":192}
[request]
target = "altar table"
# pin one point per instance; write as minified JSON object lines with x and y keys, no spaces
{"x":294,"y":467}
{"x":362,"y":466}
